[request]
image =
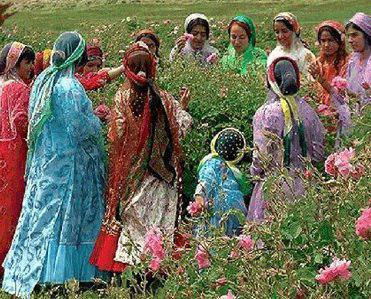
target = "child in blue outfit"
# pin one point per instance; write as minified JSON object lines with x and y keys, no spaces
{"x":221,"y":185}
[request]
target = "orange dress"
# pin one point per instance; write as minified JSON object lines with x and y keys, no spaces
{"x":328,"y":73}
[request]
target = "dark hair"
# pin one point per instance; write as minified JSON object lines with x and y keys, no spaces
{"x":356,"y":27}
{"x":241,"y":24}
{"x":201,"y":22}
{"x":27,"y":54}
{"x":333,"y":32}
{"x":285,"y":22}
{"x":153,"y":38}
{"x":342,"y":52}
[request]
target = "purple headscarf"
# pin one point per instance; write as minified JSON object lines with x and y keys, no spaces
{"x":363,"y":21}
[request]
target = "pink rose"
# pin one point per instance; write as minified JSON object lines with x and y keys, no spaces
{"x":358,"y":172}
{"x":363,"y":224}
{"x":342,"y":162}
{"x":194,"y":209}
{"x":308,"y":174}
{"x":245,"y":242}
{"x":180,"y":270}
{"x":221,"y":281}
{"x":337,"y":269}
{"x":154,"y":264}
{"x":202,"y":257}
{"x":188,"y":36}
{"x":339,"y":83}
{"x":228,"y":296}
{"x":102,"y":111}
{"x":234,"y":254}
{"x":330,"y":165}
{"x":212,"y":58}
{"x":154,"y":244}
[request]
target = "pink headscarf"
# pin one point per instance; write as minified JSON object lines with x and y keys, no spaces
{"x":14,"y":53}
{"x":9,"y":109}
{"x":363,"y":21}
{"x":335,"y":25}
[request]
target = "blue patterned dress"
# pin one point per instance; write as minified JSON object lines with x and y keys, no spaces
{"x":63,"y":204}
{"x":222,"y":193}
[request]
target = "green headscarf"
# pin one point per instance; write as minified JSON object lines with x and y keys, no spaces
{"x":252,"y":54}
{"x":68,"y":49}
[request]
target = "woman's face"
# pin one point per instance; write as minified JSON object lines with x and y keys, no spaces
{"x":356,"y":40}
{"x":328,"y":43}
{"x":25,"y":70}
{"x":283,"y":34}
{"x":239,"y":38}
{"x":92,"y":66}
{"x":150,"y":44}
{"x":199,"y":37}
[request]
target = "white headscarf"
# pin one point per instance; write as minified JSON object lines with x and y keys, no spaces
{"x":192,"y":17}
{"x":302,"y":55}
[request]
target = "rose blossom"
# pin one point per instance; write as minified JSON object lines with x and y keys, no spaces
{"x":154,"y":246}
{"x":228,"y":296}
{"x":330,"y":165}
{"x":340,"y":163}
{"x":337,"y":269}
{"x":221,"y":281}
{"x":194,"y":208}
{"x":339,"y":83}
{"x":212,"y":58}
{"x":245,"y":242}
{"x":188,"y":36}
{"x":202,"y":257}
{"x":363,"y":224}
{"x":102,"y":111}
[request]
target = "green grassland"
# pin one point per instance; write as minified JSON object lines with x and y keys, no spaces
{"x":55,"y":18}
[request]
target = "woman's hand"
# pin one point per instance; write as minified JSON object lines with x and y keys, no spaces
{"x":315,"y":70}
{"x":185,"y":97}
{"x":181,"y":42}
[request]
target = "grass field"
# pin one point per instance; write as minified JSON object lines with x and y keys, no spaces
{"x":53,"y":17}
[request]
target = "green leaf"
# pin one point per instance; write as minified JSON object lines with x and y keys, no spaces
{"x":318,"y":258}
{"x":326,"y":232}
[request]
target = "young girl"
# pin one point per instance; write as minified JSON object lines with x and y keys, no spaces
{"x":221,"y":186}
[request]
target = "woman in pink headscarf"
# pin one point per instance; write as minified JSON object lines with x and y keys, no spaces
{"x":16,"y":72}
{"x":358,"y":72}
{"x":92,"y":75}
{"x":331,"y":63}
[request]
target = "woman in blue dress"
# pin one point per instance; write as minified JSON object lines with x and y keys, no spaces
{"x":222,"y":187}
{"x":63,"y":204}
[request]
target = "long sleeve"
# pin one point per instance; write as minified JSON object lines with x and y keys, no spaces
{"x":94,"y":81}
{"x":18,"y":96}
{"x":268,"y":124}
{"x":207,"y":181}
{"x":76,"y":110}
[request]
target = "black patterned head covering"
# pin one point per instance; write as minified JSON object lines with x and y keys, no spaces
{"x":229,"y":144}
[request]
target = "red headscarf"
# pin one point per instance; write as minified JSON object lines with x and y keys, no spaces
{"x":94,"y":52}
{"x":147,"y":142}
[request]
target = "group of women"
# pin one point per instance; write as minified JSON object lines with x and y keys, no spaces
{"x":64,"y":216}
